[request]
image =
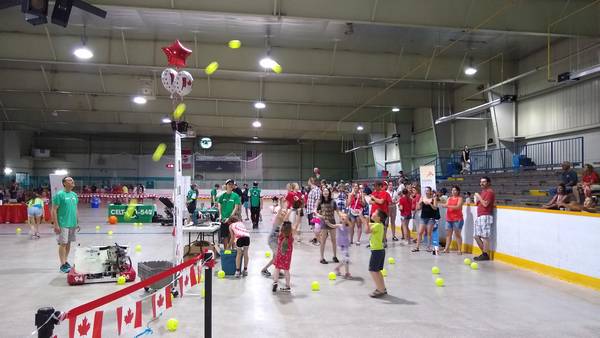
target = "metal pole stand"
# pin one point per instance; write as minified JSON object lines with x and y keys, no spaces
{"x":209,"y":263}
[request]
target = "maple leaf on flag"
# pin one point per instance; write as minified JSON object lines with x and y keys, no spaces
{"x":128,"y":317}
{"x":84,"y":327}
{"x":160,"y":300}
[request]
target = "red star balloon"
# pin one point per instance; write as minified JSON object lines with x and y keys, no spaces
{"x":176,"y":54}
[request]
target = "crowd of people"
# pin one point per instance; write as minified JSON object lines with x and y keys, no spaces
{"x":341,"y":213}
{"x":571,"y":193}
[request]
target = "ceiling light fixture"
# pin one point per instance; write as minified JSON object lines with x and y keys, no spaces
{"x":395,"y":109}
{"x":61,"y":172}
{"x":255,"y":137}
{"x":7,"y":171}
{"x":139,"y":100}
{"x":83,"y":52}
{"x":260,"y":105}
{"x":267,"y":62}
{"x":256,"y":124}
{"x":470,"y":71}
{"x":166,"y":120}
{"x":360,"y":128}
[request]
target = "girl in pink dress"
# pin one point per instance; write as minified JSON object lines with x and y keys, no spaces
{"x":283,"y":259}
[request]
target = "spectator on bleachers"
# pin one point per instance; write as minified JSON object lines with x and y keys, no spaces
{"x":568,"y":176}
{"x":468,"y":199}
{"x":466,"y":160}
{"x":485,"y":217}
{"x":560,"y":200}
{"x":589,"y":179}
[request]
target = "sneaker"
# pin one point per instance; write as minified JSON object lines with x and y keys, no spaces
{"x":245,"y":273}
{"x":274,"y":288}
{"x":64,"y":268}
{"x":265,"y":273}
{"x":335,"y":260}
{"x":323,"y":261}
{"x":238,"y":274}
{"x":357,"y":243}
{"x":285,"y":289}
{"x":483,"y":257}
{"x":395,"y":239}
{"x":69,"y":265}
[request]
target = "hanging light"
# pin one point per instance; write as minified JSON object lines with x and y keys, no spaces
{"x":83,"y":52}
{"x":360,"y":128}
{"x":166,"y":120}
{"x":267,"y":62}
{"x":7,"y":171}
{"x":260,"y":105}
{"x":256,"y":124}
{"x":139,"y":100}
{"x":470,"y":71}
{"x":395,"y":109}
{"x":255,"y":137}
{"x":61,"y":172}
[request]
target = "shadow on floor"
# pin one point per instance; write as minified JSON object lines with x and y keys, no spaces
{"x":395,"y":300}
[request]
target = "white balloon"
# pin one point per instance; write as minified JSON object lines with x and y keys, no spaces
{"x":168,"y":79}
{"x":183,"y":83}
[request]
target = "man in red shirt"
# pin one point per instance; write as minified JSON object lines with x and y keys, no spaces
{"x":381,"y":200}
{"x":485,"y":217}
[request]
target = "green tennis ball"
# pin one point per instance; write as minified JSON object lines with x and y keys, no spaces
{"x":202,"y":293}
{"x":228,"y":252}
{"x":158,"y":153}
{"x":138,"y":248}
{"x":391,"y":260}
{"x":110,"y":232}
{"x":211,"y":68}
{"x":467,"y":261}
{"x":331,"y":276}
{"x":235,"y":44}
{"x":384,"y":272}
{"x":172,"y":324}
{"x":221,"y":274}
{"x":97,"y":228}
{"x":474,"y":266}
{"x":315,"y":286}
{"x":439,"y":282}
{"x":121,"y":280}
{"x":268,"y":254}
{"x":18,"y":230}
{"x":435,"y":270}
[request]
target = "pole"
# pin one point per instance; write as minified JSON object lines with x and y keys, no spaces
{"x":208,"y":275}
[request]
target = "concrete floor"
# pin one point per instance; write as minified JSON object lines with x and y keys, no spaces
{"x":496,"y":301}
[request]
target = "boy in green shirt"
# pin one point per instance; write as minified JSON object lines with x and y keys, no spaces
{"x":255,"y":204}
{"x":64,"y":217}
{"x":377,"y":253}
{"x":229,"y":204}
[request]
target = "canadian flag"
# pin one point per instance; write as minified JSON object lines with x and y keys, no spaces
{"x":86,"y":326}
{"x":161,"y":301}
{"x":188,"y":278}
{"x":129,"y":318}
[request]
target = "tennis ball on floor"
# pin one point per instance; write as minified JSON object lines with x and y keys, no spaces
{"x":235,"y":44}
{"x":228,"y":252}
{"x":202,"y":293}
{"x":474,"y":266}
{"x":97,"y":228}
{"x":172,"y":324}
{"x":121,"y":280}
{"x":221,"y":274}
{"x":435,"y":270}
{"x":315,"y":286}
{"x":439,"y":282}
{"x":391,"y":260}
{"x":268,"y":254}
{"x":138,"y":248}
{"x":331,"y":276}
{"x":18,"y":230}
{"x":110,"y":232}
{"x":467,"y":261}
{"x":384,"y":272}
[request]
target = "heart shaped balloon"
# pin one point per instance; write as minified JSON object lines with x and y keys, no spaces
{"x":168,"y":77}
{"x":183,"y":83}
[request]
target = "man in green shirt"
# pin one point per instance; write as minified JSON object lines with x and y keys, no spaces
{"x":213,"y":195}
{"x":192,"y":197}
{"x":255,"y":204}
{"x":64,"y":217}
{"x":229,"y":204}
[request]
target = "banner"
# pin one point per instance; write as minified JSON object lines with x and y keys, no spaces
{"x":427,"y":173}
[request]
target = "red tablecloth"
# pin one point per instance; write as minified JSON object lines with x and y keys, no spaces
{"x":17,"y":213}
{"x":13,"y":213}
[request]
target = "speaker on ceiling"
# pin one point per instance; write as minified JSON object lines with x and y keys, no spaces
{"x":62,"y":12}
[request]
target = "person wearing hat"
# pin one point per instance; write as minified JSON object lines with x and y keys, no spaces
{"x":229,"y":204}
{"x":255,"y":204}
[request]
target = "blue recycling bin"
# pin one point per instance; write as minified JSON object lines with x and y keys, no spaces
{"x":95,"y":202}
